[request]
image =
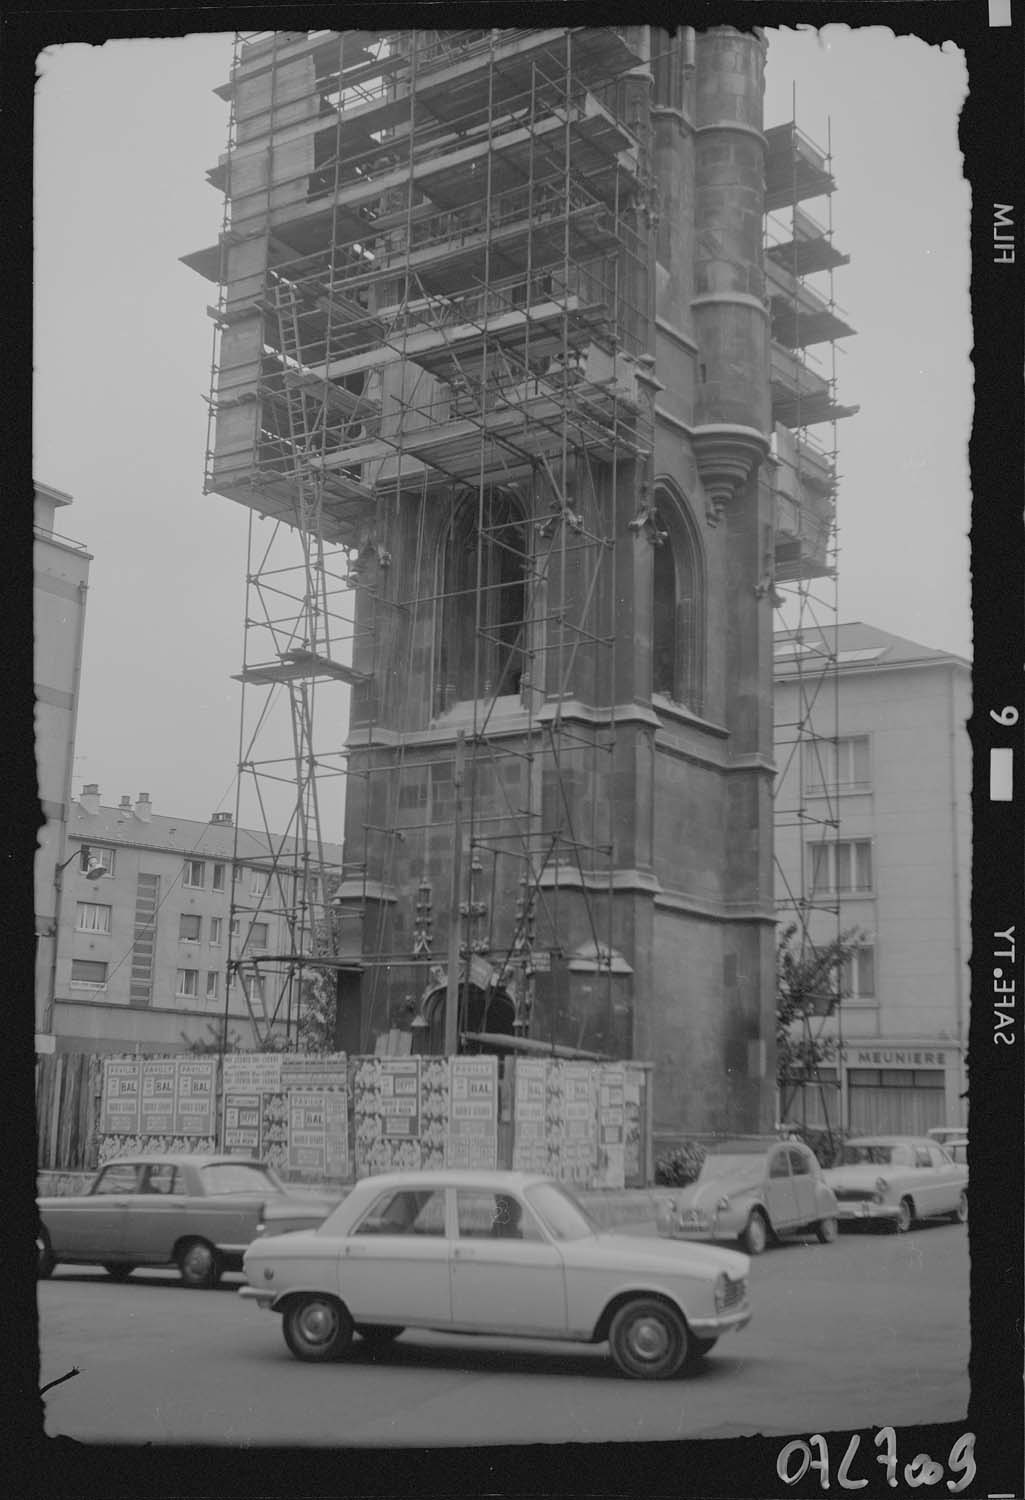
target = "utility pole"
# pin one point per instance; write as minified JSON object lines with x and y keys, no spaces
{"x":454,"y":922}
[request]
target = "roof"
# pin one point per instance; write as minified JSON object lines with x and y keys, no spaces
{"x":187,"y":836}
{"x":495,"y":1177}
{"x":856,"y":645}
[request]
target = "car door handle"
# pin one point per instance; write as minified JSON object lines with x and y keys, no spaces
{"x":462,"y":1253}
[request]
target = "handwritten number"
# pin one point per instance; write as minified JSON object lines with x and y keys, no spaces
{"x":1007,"y":716}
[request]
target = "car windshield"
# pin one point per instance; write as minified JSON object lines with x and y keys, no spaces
{"x":238,"y":1177}
{"x":875,"y":1154}
{"x":563,"y":1216}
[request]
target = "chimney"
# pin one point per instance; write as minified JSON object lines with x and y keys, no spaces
{"x":221,"y":819}
{"x":89,"y":801}
{"x":124,"y":808}
{"x":143,"y":807}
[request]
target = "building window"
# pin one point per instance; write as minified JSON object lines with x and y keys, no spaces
{"x":188,"y":984}
{"x":234,"y":927}
{"x":840,"y":765}
{"x":86,"y":973}
{"x":258,"y":933}
{"x":859,"y":972}
{"x":216,"y":929}
{"x":218,"y":877}
{"x":213,"y":984}
{"x":105,"y":856}
{"x":190,"y":928}
{"x":483,"y":618}
{"x":843,"y":868}
{"x":93,"y":918}
{"x":258,"y":881}
{"x":194,"y":873}
{"x":677,"y":620}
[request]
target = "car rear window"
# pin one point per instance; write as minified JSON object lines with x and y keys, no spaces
{"x":236,"y":1177}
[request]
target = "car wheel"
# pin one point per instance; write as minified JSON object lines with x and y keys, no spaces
{"x":377,"y":1335}
{"x":902,"y":1223}
{"x":199,"y":1265}
{"x":960,"y":1214}
{"x":827,"y":1229}
{"x":118,"y":1271}
{"x":45,"y":1260}
{"x":755,"y":1235}
{"x":317,"y":1327}
{"x":648,"y":1339}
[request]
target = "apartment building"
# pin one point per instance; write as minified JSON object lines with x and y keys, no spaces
{"x":60,"y":586}
{"x":184,"y":930}
{"x":873,"y":829}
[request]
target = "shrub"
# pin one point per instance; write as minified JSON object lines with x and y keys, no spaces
{"x":679,"y":1167}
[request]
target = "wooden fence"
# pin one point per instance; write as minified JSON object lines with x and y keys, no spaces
{"x":68,"y":1088}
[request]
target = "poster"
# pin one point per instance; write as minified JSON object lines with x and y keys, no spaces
{"x":473,"y":1113}
{"x":119,"y":1110}
{"x":386,"y":1108}
{"x":318,"y":1133}
{"x":633,"y":1094}
{"x":434,"y":1112}
{"x":610,"y":1169}
{"x":530,"y":1149}
{"x":195,"y":1096}
{"x":311,"y":1070}
{"x":158,"y":1079}
{"x":243,"y":1116}
{"x":252,"y":1073}
{"x":575,"y":1134}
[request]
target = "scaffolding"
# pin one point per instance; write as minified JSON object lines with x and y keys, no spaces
{"x":801,"y":260}
{"x":428,"y":386}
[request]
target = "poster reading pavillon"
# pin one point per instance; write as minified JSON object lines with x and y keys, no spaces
{"x":473,"y":1113}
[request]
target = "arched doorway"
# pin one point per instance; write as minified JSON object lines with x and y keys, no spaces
{"x":488,"y":1010}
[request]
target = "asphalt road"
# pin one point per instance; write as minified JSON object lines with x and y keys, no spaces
{"x":870,"y":1330}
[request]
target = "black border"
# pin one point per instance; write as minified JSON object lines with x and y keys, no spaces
{"x":993,"y":141}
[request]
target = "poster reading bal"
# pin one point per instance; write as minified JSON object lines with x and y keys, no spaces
{"x":119,"y":1113}
{"x":473,"y":1113}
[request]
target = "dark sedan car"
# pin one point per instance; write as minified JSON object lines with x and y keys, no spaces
{"x":200,"y":1213}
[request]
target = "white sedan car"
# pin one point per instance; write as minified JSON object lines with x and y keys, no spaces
{"x":501,"y":1253}
{"x":896,"y":1180}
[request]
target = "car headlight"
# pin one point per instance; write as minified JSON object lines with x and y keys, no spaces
{"x":724,"y":1202}
{"x":722,"y":1282}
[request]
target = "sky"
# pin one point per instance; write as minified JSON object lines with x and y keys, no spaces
{"x":124,"y":136}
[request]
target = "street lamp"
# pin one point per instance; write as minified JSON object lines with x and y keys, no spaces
{"x":91,"y":869}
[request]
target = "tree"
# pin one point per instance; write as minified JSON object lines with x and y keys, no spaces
{"x":809,"y":984}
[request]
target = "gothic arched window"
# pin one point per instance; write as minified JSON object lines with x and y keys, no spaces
{"x":678,"y":606}
{"x":483,"y":608}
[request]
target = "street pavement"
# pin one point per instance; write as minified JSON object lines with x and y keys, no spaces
{"x":872,"y":1330}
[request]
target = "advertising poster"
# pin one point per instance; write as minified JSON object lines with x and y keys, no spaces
{"x":119,"y":1109}
{"x":530,"y":1149}
{"x":312,"y":1070}
{"x":473,"y":1112}
{"x":434,"y":1107}
{"x":252,"y":1073}
{"x":610,"y":1171}
{"x":243,"y":1114}
{"x":632,"y":1101}
{"x":195,"y":1096}
{"x":577,"y":1137}
{"x":386,"y":1107}
{"x":157,"y":1096}
{"x":317,"y":1132}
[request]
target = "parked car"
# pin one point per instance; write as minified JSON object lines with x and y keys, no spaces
{"x":954,"y":1141}
{"x":500,"y":1253}
{"x":197,"y":1212}
{"x":752,"y":1189}
{"x":896,"y":1179}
